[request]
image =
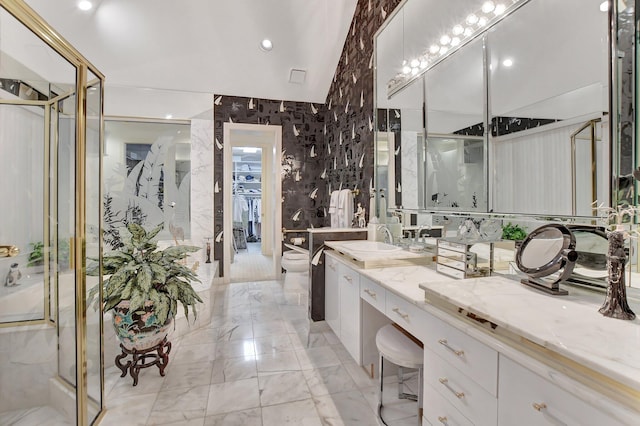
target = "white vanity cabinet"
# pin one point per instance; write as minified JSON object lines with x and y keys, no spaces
{"x":527,"y":399}
{"x":349,"y":284}
{"x":332,"y":294}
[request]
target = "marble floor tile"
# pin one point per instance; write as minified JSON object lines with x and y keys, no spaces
{"x":233,"y":396}
{"x":298,"y":413}
{"x":189,"y":354}
{"x":236,"y":348}
{"x":331,"y":337}
{"x":234,"y":332}
{"x":187,"y":422}
{"x":280,"y":362}
{"x":233,"y":369}
{"x":359,"y":375}
{"x":269,"y":328}
{"x":178,"y":376}
{"x":273,"y":344}
{"x":394,"y":408}
{"x":34,"y":416}
{"x":131,"y":410}
{"x":179,"y":405}
{"x":283,"y":387}
{"x":317,"y":357}
{"x":252,"y":417}
{"x":328,"y":380}
{"x":346,"y":408}
{"x":199,"y":337}
{"x":149,"y":382}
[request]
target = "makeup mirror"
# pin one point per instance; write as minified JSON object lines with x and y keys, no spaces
{"x":548,"y":257}
{"x":591,"y":264}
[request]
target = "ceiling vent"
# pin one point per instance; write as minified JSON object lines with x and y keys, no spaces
{"x":297,"y":76}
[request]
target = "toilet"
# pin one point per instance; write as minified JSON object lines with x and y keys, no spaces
{"x":295,"y":260}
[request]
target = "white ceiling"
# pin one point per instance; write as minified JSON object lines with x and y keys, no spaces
{"x":208,"y":46}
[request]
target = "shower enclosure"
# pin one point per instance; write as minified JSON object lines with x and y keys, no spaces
{"x":51,"y":121}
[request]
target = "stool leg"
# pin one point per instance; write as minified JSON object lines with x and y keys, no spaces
{"x":381,"y":382}
{"x":420,"y":390}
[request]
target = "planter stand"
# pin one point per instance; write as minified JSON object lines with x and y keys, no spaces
{"x":159,"y":358}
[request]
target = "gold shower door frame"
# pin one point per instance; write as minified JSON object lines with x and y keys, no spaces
{"x":24,"y":14}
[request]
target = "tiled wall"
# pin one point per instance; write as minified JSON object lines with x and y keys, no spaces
{"x":303,"y":189}
{"x":350,"y":118}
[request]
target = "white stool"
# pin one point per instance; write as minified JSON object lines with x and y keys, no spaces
{"x":394,"y":346}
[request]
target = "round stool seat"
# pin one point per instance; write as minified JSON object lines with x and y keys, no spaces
{"x":397,"y":348}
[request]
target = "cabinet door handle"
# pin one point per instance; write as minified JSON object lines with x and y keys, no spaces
{"x":445,"y":382}
{"x":348,"y":278}
{"x":370,"y":293}
{"x":444,"y":343}
{"x":403,"y":315}
{"x":540,"y":406}
{"x":442,"y":419}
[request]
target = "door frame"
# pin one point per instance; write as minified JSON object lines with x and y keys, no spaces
{"x":272,"y":195}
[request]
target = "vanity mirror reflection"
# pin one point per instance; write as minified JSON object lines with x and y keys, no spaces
{"x":521,"y":107}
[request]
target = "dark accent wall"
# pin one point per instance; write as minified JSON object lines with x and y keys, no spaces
{"x":302,"y":147}
{"x":350,"y":116}
{"x":348,"y":111}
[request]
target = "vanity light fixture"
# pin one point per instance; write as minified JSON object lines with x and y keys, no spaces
{"x":168,"y":116}
{"x":468,"y":31}
{"x":455,"y":41}
{"x":266,"y":45}
{"x":457,"y":30}
{"x":406,"y":69}
{"x":445,"y":39}
{"x":415,"y":63}
{"x":482,"y":22}
{"x":488,"y":7}
{"x":443,"y":50}
{"x":472,"y":19}
{"x":85,"y":5}
{"x":499,"y":10}
{"x":414,"y":70}
{"x":604,"y":6}
{"x":507,"y":62}
{"x":434,"y":48}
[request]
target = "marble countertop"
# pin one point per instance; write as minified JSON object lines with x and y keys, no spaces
{"x":568,"y":325}
{"x":377,"y":259}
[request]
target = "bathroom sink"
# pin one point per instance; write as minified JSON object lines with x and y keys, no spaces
{"x":370,"y":246}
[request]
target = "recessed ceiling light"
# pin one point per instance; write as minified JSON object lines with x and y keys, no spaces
{"x":168,"y":116}
{"x":84,"y":5}
{"x":604,"y":6}
{"x":507,"y":62}
{"x":266,"y":45}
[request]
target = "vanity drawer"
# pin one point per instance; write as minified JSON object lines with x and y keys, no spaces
{"x":468,"y":397}
{"x":453,"y":263}
{"x":471,"y":357}
{"x":454,"y":255}
{"x":372,"y":293}
{"x":451,"y":245}
{"x":405,"y":314}
{"x":455,"y":273}
{"x":440,"y":412}
{"x":528,"y":399}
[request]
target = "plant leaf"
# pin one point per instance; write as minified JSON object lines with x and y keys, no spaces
{"x":159,"y":273}
{"x":144,"y":278}
{"x":137,"y":300}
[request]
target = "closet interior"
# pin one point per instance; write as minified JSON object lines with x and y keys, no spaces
{"x":247,"y":197}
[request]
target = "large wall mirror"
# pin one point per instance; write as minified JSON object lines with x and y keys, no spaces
{"x":516,"y":113}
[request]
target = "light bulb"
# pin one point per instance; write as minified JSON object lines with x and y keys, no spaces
{"x":423,"y":64}
{"x":472,"y":19}
{"x":414,"y":70}
{"x":406,"y":69}
{"x":482,"y":22}
{"x":266,"y":45}
{"x":434,"y":48}
{"x":455,"y":41}
{"x":84,"y":5}
{"x":488,"y":6}
{"x":499,"y":10}
{"x":414,"y":63}
{"x":507,"y":62}
{"x":445,"y":39}
{"x":457,"y":30}
{"x":468,"y":31}
{"x":604,"y":6}
{"x":444,"y":50}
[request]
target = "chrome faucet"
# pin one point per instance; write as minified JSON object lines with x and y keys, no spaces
{"x":416,"y":237}
{"x":387,"y":232}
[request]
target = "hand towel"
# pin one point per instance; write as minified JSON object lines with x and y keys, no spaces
{"x":333,"y":208}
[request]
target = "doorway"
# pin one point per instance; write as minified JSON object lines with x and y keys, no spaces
{"x":252,"y":202}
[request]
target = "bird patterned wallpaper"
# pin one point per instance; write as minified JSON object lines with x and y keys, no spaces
{"x":325,"y":147}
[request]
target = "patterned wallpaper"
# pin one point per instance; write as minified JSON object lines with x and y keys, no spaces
{"x":303,"y":190}
{"x":350,"y":117}
{"x":325,"y":146}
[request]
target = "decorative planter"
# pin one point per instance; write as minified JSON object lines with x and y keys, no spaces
{"x":139,"y":330}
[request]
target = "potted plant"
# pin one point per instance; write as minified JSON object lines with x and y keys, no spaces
{"x":505,"y":250}
{"x":513,"y":232}
{"x":144,"y":286}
